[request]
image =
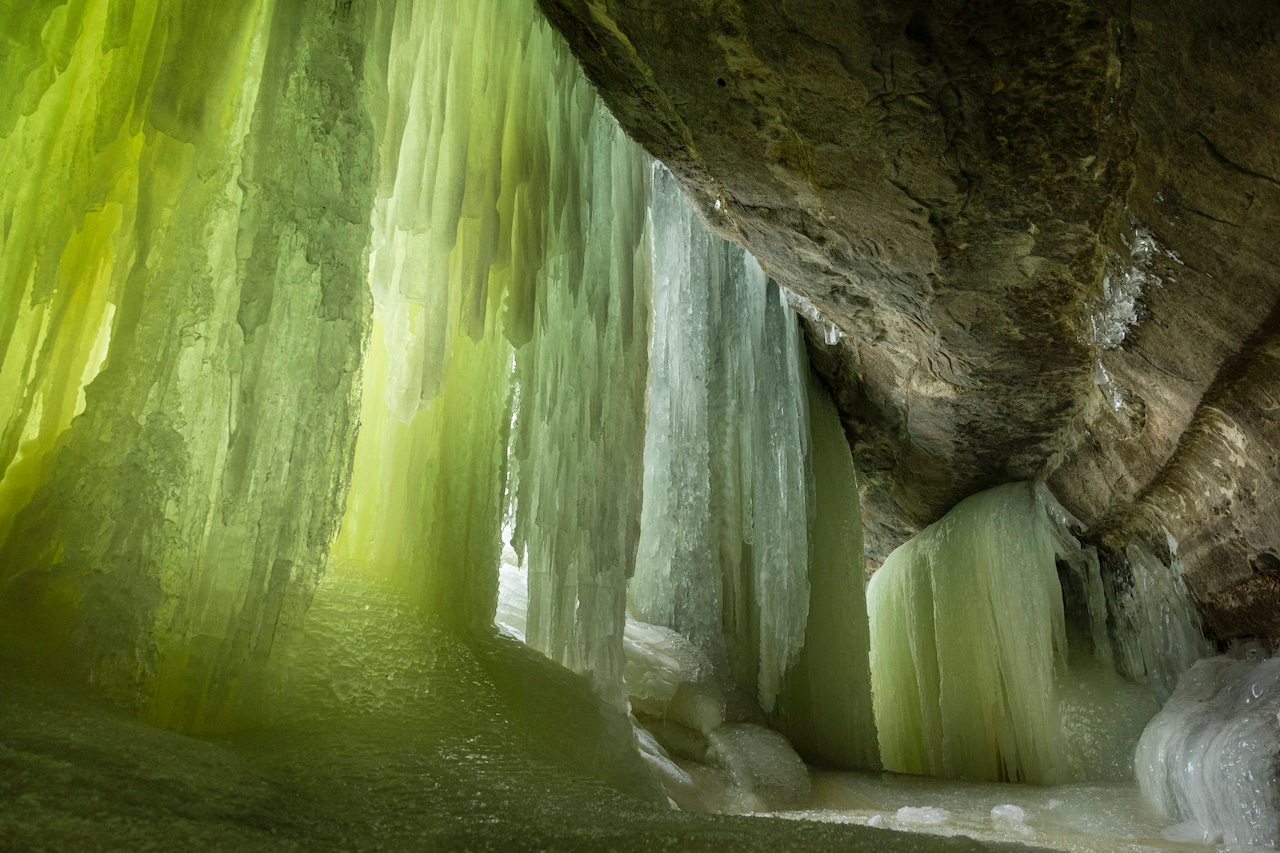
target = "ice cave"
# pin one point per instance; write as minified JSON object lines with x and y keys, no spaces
{"x":615,"y":425}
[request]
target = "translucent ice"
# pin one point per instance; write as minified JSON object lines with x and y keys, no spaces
{"x":166,"y":274}
{"x":1212,"y":754}
{"x":1158,"y":630}
{"x":969,"y":651}
{"x":724,"y":548}
{"x":506,"y":376}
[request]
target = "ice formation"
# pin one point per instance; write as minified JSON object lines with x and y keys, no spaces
{"x":825,"y":705}
{"x":1110,"y":317}
{"x":1158,"y":629}
{"x":831,"y":334}
{"x":509,"y":271}
{"x":227,"y":201}
{"x":750,"y":548}
{"x":971,"y":667}
{"x":1211,"y":757}
{"x":967,"y":627}
{"x":155,"y":228}
{"x":724,"y":547}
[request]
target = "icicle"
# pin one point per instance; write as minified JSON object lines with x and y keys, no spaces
{"x":724,"y":533}
{"x":580,"y":427}
{"x":1158,"y":631}
{"x":677,"y":581}
{"x":825,"y":705}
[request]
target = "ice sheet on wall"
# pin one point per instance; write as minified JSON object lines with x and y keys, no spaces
{"x":185,"y":205}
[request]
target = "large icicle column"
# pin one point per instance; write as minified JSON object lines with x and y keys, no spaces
{"x":825,"y":704}
{"x":969,"y":651}
{"x":723,"y":550}
{"x":511,"y":289}
{"x":184,"y":189}
{"x":729,"y":546}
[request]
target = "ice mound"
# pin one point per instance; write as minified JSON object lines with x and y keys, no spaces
{"x":1011,"y":819}
{"x":1210,"y":755}
{"x":760,"y":761}
{"x":659,"y":661}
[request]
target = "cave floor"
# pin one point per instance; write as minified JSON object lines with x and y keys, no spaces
{"x":78,"y":775}
{"x":388,"y":737}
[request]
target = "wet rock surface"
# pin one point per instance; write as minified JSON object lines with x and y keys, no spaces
{"x":1045,"y":230}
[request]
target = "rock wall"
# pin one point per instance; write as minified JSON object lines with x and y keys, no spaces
{"x":1043,"y":229}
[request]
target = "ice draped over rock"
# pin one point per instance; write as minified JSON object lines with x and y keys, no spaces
{"x":977,"y":671}
{"x":184,"y":193}
{"x":1211,"y":757}
{"x":967,"y":627}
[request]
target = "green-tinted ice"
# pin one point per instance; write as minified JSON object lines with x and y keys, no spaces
{"x":184,"y":192}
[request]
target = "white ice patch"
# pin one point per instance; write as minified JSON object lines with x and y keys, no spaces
{"x":806,"y":309}
{"x":1210,"y":757}
{"x":922,"y":815}
{"x":1110,"y":316}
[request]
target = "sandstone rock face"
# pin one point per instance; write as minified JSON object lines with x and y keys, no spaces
{"x":1045,"y":230}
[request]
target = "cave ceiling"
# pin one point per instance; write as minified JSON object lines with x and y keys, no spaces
{"x":1046,"y":231}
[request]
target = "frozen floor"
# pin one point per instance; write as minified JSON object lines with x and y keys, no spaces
{"x":1084,"y":818}
{"x":77,"y":776}
{"x":393,"y":739}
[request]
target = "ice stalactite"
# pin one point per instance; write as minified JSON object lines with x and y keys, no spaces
{"x":724,"y":533}
{"x":426,"y":502}
{"x":511,"y":288}
{"x":578,"y":447}
{"x":970,"y":657}
{"x":1158,"y":630}
{"x":155,"y":226}
{"x":1211,"y":757}
{"x":825,"y":705}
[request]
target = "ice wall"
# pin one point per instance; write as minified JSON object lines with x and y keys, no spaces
{"x":1211,"y":757}
{"x":724,"y":532}
{"x":184,"y":191}
{"x":230,"y":184}
{"x":511,"y":291}
{"x":1158,"y":630}
{"x":969,"y":651}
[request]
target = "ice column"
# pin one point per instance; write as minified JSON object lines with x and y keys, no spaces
{"x":185,"y":192}
{"x":967,"y":627}
{"x":724,"y":532}
{"x":825,"y":704}
{"x":579,"y":429}
{"x":1158,"y":633}
{"x":510,"y":340}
